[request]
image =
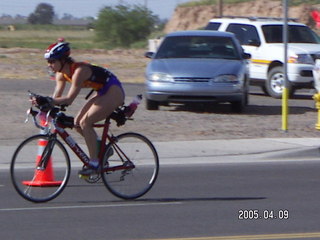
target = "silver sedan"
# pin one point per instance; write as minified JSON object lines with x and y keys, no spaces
{"x":197,"y":66}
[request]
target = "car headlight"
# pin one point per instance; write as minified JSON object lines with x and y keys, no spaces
{"x":301,"y":58}
{"x":160,"y":77}
{"x":225,"y":79}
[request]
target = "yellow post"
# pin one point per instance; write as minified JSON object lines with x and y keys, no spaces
{"x":316,"y":97}
{"x":285,"y":92}
{"x":285,"y":109}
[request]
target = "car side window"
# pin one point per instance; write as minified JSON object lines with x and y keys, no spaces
{"x":297,"y":34}
{"x":213,"y":26}
{"x":246,"y":34}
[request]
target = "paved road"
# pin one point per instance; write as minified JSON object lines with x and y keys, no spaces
{"x":187,"y":201}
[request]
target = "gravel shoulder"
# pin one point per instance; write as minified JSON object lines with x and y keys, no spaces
{"x":260,"y":119}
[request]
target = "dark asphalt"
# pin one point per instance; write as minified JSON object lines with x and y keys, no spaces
{"x":186,"y":201}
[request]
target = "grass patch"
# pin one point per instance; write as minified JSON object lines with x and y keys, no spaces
{"x":210,"y":2}
{"x":80,"y":39}
{"x":215,"y":2}
{"x":298,"y":2}
{"x":41,"y":38}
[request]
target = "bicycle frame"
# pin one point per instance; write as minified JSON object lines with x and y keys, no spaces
{"x":72,"y":144}
{"x":60,"y":131}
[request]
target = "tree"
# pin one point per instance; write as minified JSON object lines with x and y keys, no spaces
{"x":43,"y":14}
{"x":124,"y":24}
{"x":67,"y":16}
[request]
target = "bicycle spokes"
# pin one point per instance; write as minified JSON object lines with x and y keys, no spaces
{"x":133,"y":167}
{"x":38,"y":173}
{"x":128,"y":169}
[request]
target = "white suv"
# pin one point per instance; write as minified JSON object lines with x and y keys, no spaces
{"x":262,"y":38}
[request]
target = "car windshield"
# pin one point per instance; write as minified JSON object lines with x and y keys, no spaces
{"x":198,"y":47}
{"x":213,"y":26}
{"x":296,"y":34}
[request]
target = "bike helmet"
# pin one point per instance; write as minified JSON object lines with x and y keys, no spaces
{"x":57,"y":51}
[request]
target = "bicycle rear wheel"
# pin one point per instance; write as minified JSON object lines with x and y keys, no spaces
{"x":40,"y":184}
{"x":133,"y":166}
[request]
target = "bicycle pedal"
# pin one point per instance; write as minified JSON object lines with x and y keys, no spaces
{"x":84,"y":177}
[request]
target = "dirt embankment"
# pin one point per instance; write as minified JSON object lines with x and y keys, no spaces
{"x":187,"y":18}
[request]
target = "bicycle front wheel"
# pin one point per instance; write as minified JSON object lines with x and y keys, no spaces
{"x":40,"y":183}
{"x":131,"y":166}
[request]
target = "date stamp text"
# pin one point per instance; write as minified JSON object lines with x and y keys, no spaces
{"x":255,"y":214}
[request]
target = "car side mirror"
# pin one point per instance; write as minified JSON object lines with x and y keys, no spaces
{"x":149,"y":54}
{"x":246,"y":55}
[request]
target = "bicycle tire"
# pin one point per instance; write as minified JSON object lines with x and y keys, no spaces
{"x":34,"y":184}
{"x":135,"y":182}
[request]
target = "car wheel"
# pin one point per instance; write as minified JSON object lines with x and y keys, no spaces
{"x":264,"y":90}
{"x":246,"y":93}
{"x":275,"y":83}
{"x":237,"y":107}
{"x":152,"y":105}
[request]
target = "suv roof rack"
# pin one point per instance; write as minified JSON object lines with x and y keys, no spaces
{"x":261,"y":18}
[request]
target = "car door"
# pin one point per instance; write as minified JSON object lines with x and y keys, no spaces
{"x":248,"y":37}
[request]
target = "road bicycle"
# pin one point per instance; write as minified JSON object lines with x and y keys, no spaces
{"x":40,"y":166}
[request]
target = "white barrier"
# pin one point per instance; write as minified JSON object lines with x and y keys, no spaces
{"x":153,"y":44}
{"x":316,"y":75}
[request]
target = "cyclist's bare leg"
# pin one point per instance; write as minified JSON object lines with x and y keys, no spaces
{"x":96,"y":110}
{"x":81,"y":113}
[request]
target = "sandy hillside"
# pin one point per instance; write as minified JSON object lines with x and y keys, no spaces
{"x":185,"y":18}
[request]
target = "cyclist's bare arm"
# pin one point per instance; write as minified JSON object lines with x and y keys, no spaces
{"x":81,"y":74}
{"x":60,"y":85}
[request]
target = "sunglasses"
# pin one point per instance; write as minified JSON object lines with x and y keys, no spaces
{"x":51,"y":61}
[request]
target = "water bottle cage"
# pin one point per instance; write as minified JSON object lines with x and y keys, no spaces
{"x":119,"y":116}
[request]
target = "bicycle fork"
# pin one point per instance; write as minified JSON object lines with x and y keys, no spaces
{"x":47,"y":151}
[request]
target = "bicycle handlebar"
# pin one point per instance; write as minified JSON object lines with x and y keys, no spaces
{"x":46,"y":109}
{"x":119,"y":115}
{"x":47,"y":105}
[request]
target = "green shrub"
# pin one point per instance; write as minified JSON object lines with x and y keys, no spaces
{"x":124,"y":25}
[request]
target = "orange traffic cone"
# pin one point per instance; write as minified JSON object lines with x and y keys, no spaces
{"x":45,"y":177}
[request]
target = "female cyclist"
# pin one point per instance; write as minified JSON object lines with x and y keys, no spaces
{"x":109,"y":94}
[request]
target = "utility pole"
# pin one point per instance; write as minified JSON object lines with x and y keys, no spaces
{"x":220,"y":8}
